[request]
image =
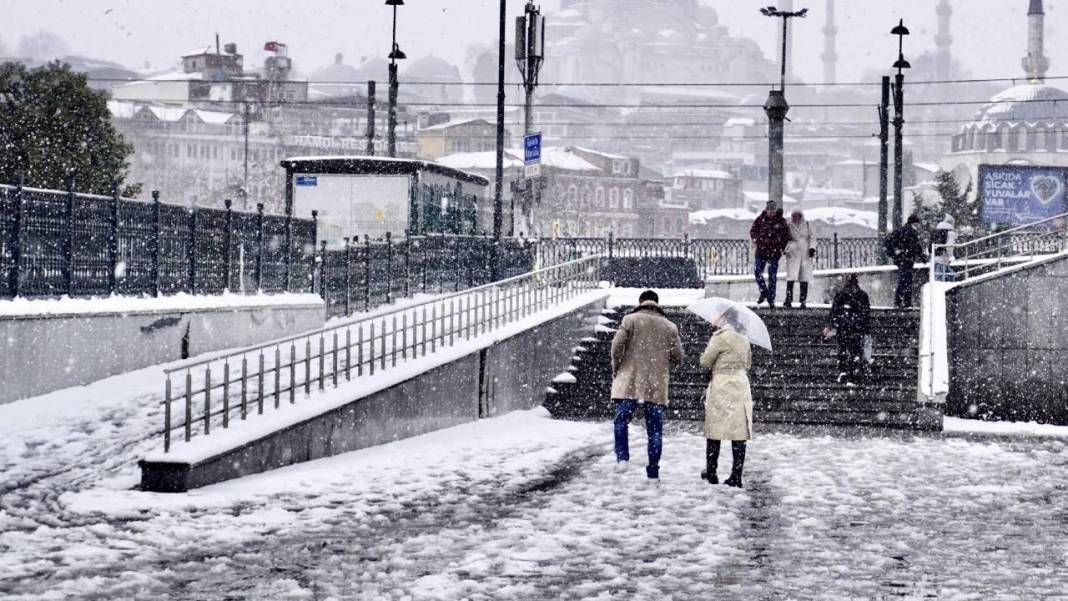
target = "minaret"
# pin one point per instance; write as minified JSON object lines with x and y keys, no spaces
{"x":830,"y":54}
{"x":943,"y":41}
{"x":1035,"y":64}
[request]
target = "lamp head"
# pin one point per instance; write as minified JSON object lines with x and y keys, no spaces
{"x":900,"y":29}
{"x":397,"y":54}
{"x":901,"y":63}
{"x":394,"y":2}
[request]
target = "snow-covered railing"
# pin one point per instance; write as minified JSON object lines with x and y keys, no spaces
{"x":235,"y":385}
{"x":1023,"y":243}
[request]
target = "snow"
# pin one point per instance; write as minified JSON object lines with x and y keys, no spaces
{"x":669,"y":297}
{"x":839,"y":216}
{"x":934,"y":347}
{"x":181,"y":302}
{"x":482,"y":160}
{"x":956,"y":425}
{"x":240,"y":433}
{"x":707,"y":215}
{"x":703,"y":173}
{"x":761,"y":198}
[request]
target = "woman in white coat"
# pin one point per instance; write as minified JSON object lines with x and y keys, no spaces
{"x":800,"y":256}
{"x":728,"y":399}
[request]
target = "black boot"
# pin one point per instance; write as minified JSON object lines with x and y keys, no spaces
{"x":804,"y":294}
{"x":790,"y":295}
{"x":738,"y":456}
{"x":711,"y":461}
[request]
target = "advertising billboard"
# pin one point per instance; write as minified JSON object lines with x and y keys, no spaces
{"x":350,"y":205}
{"x":1020,"y":194}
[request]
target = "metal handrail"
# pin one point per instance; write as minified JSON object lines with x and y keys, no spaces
{"x":278,"y":372}
{"x":1018,"y":228}
{"x":977,"y":251}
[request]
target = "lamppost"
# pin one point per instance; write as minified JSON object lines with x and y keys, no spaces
{"x":899,"y":120}
{"x":776,"y":108}
{"x":395,"y":54}
{"x":498,"y":188}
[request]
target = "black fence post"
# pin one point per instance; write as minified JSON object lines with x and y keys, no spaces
{"x":289,"y":250}
{"x":259,"y":247}
{"x":348,"y":277}
{"x":389,"y":267}
{"x":836,"y":264}
{"x":228,"y":270}
{"x":191,"y":251}
{"x":113,"y":240}
{"x":314,"y":245}
{"x":407,"y":263}
{"x":67,"y":269}
{"x":157,"y":232}
{"x":14,"y":276}
{"x":322,"y":275}
{"x":367,"y":272}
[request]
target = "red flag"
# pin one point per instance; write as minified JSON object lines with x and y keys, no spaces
{"x":271,"y":46}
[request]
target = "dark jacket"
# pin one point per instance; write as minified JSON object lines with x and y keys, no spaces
{"x":770,"y":234}
{"x":903,"y":246}
{"x":851,"y":312}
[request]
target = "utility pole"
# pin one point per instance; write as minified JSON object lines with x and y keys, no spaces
{"x":776,"y":108}
{"x":899,"y":121}
{"x":371,"y":118}
{"x":884,"y":151}
{"x":395,"y":54}
{"x":498,"y":188}
{"x":244,"y":185}
{"x":529,"y":55}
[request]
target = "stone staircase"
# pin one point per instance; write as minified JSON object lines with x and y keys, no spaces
{"x":797,"y":384}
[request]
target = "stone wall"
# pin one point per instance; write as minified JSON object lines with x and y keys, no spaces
{"x":1008,"y":345}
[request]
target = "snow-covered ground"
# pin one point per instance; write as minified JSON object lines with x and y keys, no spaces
{"x":526,"y":507}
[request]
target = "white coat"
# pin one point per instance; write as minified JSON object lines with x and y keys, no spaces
{"x":799,"y":265}
{"x":728,"y":399}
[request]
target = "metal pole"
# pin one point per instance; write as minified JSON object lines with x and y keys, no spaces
{"x":229,"y":253}
{"x":498,"y":188}
{"x":156,"y":226}
{"x":244,"y":185}
{"x":884,"y":140}
{"x":16,"y":240}
{"x":371,"y":118}
{"x":67,"y":268}
{"x":259,"y":247}
{"x":191,"y":251}
{"x":113,"y":241}
{"x":782,"y":70}
{"x":776,"y":108}
{"x":392,"y":131}
{"x":899,"y":122}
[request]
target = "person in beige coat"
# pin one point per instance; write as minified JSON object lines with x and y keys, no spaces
{"x":728,"y":399}
{"x":645,"y":348}
{"x":800,"y":257}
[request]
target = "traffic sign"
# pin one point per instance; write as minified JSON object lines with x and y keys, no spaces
{"x":532,"y":148}
{"x":531,"y":170}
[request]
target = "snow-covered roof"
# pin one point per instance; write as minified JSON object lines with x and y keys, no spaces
{"x":837,"y":216}
{"x":762,"y":197}
{"x":448,"y":124}
{"x":703,"y":173}
{"x":122,"y":110}
{"x":177,"y":76}
{"x":214,"y":117}
{"x":482,"y":160}
{"x":616,"y":157}
{"x":563,"y":158}
{"x":703,"y":217}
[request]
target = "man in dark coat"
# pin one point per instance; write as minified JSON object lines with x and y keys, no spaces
{"x":904,"y":249}
{"x":770,"y":234}
{"x":851,"y":319}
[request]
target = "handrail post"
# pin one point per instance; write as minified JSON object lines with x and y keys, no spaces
{"x":67,"y":268}
{"x":837,"y":265}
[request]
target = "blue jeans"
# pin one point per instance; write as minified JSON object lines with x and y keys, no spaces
{"x":654,"y":427}
{"x":944,"y":272}
{"x":767,"y":289}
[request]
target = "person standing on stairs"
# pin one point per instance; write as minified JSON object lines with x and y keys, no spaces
{"x":800,"y":256}
{"x":850,"y":323}
{"x":644,"y":349}
{"x":943,"y":239}
{"x":728,"y":398}
{"x":904,"y":249}
{"x":770,"y":235}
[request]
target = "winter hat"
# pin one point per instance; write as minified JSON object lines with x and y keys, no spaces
{"x":913,"y":219}
{"x":950,"y":220}
{"x":648,"y":295}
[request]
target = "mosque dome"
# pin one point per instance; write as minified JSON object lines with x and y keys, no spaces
{"x":1027,"y":103}
{"x":338,"y":71}
{"x":432,"y":68}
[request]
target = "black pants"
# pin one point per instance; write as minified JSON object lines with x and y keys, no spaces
{"x":851,"y":356}
{"x":903,"y":294}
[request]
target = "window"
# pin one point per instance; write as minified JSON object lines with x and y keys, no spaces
{"x":586,"y":197}
{"x":628,"y":199}
{"x":572,"y":196}
{"x":214,"y":152}
{"x":1031,"y":139}
{"x":1064,"y":140}
{"x":613,"y":198}
{"x":598,"y":198}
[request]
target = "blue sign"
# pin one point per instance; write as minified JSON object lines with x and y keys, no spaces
{"x":307,"y":180}
{"x":532,"y":148}
{"x":1021,"y":194}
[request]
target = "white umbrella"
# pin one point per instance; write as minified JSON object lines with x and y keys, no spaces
{"x":744,"y":320}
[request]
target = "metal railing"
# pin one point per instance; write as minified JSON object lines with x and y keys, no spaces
{"x":236,"y":385}
{"x":990,"y":253}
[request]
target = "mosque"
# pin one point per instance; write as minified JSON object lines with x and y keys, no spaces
{"x":1026,"y":124}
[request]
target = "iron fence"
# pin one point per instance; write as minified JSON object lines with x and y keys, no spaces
{"x":212,"y":392}
{"x":712,"y":257}
{"x":971,"y":258}
{"x":55,"y":243}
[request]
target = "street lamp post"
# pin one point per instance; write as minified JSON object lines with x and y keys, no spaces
{"x":776,"y":109}
{"x":498,"y":188}
{"x":395,"y":54}
{"x":899,"y":120}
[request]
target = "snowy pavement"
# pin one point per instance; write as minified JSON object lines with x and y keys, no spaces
{"x":526,"y":507}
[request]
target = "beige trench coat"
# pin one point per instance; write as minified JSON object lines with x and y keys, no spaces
{"x":645,"y":348}
{"x":728,"y":400}
{"x":798,"y":264}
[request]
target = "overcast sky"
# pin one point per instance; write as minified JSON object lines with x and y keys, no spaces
{"x":989,"y":35}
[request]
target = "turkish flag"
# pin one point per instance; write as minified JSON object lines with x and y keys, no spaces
{"x":271,"y":46}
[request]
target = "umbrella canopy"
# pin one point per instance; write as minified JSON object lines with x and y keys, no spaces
{"x":740,"y":317}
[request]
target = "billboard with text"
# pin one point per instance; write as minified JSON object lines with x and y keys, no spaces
{"x":1020,"y":194}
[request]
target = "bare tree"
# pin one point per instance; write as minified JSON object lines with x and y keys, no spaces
{"x":42,"y":46}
